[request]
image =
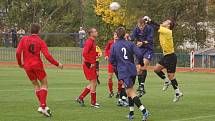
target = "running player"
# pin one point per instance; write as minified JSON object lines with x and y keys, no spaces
{"x":30,"y":48}
{"x":110,"y":69}
{"x":169,"y":60}
{"x":143,"y":34}
{"x":89,"y":68}
{"x":122,"y":58}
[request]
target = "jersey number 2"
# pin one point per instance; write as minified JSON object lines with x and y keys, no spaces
{"x":125,"y":52}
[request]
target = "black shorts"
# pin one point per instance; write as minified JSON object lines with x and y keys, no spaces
{"x":97,"y":65}
{"x":169,"y":62}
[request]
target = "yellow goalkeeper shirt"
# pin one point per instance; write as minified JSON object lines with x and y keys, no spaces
{"x":166,"y":40}
{"x":99,"y":53}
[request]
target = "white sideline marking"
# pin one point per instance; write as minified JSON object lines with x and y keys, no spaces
{"x":19,"y":90}
{"x":200,"y":117}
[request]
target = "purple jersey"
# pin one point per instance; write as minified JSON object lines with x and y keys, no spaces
{"x":122,"y":58}
{"x":145,"y":35}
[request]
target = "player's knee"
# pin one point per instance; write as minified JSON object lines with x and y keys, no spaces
{"x":171,"y":76}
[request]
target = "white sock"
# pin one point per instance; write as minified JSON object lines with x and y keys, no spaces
{"x":131,"y":108}
{"x":141,"y":107}
{"x":124,"y":98}
{"x":166,"y":80}
{"x":177,"y":91}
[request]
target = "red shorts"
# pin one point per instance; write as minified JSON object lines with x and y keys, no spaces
{"x":90,"y":73}
{"x":110,"y":68}
{"x":36,"y":74}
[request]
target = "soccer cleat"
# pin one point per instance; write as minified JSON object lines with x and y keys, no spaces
{"x":81,"y":102}
{"x":122,"y":103}
{"x":177,"y":97}
{"x":39,"y":110}
{"x":145,"y":116}
{"x":166,"y":85}
{"x":111,"y":95}
{"x":117,"y":95}
{"x":46,"y":112}
{"x":130,"y":117}
{"x":96,"y":105}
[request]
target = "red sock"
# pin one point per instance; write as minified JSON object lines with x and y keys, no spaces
{"x":119,"y":87}
{"x":110,"y":86}
{"x":85,"y":92}
{"x":43,"y":95}
{"x":37,"y":93}
{"x":93,"y":98}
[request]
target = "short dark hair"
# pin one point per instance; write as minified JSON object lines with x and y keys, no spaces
{"x":35,"y":28}
{"x":90,"y":30}
{"x":172,"y":23}
{"x":121,"y":32}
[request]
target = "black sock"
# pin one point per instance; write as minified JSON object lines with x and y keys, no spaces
{"x":174,"y":84}
{"x":144,"y":75}
{"x":122,"y":93}
{"x":137,"y":101}
{"x":138,"y":104}
{"x":160,"y":74}
{"x":131,"y":105}
{"x":140,"y":79}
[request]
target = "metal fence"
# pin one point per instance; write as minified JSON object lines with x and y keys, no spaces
{"x":74,"y":56}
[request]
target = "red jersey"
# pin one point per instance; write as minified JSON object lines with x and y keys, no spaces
{"x":89,"y":51}
{"x":108,"y":47}
{"x":30,"y":47}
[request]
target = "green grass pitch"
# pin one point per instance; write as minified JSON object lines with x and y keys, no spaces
{"x":18,"y":102}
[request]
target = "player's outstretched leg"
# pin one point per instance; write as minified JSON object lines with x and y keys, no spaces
{"x":178,"y":93}
{"x":110,"y":85}
{"x":84,"y":93}
{"x":93,"y":94}
{"x":158,"y":70}
{"x":37,"y":93}
{"x":43,"y":95}
{"x":122,"y":98}
{"x":119,"y":88}
{"x":132,"y":93}
{"x":131,"y":108}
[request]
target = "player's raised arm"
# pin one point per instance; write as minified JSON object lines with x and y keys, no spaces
{"x":48,"y":56}
{"x":19,"y":51}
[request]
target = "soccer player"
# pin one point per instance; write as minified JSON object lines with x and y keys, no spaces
{"x":98,"y":55}
{"x":143,"y":34}
{"x":122,"y":58}
{"x":111,"y":69}
{"x":169,"y":60}
{"x":89,"y":68}
{"x":30,"y":48}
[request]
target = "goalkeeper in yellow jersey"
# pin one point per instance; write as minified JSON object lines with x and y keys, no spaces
{"x":169,"y":59}
{"x":98,"y":55}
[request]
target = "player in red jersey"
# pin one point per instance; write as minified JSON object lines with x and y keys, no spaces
{"x":30,"y":48}
{"x":110,"y":68}
{"x":89,"y":68}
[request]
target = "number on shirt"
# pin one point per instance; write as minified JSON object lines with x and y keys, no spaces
{"x":125,"y":52}
{"x":31,"y":49}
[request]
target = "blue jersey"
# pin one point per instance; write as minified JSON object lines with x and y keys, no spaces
{"x":122,"y":58}
{"x":145,"y":35}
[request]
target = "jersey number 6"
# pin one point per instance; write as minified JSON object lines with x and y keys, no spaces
{"x":125,"y":52}
{"x":31,"y":48}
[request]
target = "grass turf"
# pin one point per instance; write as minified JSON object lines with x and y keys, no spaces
{"x":19,"y":103}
